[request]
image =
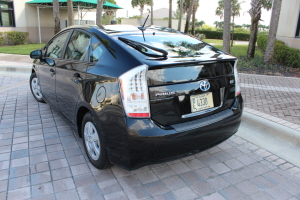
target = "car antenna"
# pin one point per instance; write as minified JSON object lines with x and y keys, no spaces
{"x":142,"y":28}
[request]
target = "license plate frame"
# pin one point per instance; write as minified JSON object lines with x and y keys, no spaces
{"x":201,"y":102}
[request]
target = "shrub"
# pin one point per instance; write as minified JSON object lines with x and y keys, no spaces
{"x":219,"y":35}
{"x":282,"y":54}
{"x":13,"y":38}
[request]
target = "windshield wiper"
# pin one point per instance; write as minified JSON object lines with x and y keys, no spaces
{"x":141,"y":48}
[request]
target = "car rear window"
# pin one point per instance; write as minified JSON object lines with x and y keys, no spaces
{"x":178,"y":46}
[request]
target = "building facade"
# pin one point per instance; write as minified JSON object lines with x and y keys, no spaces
{"x":17,"y":15}
{"x":289,"y":23}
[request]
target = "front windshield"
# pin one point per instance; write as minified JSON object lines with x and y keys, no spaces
{"x":177,"y":46}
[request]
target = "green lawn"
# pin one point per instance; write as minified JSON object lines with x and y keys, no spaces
{"x":24,"y":49}
{"x":214,"y":41}
{"x":240,"y":50}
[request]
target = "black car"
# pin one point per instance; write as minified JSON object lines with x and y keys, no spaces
{"x":139,"y":96}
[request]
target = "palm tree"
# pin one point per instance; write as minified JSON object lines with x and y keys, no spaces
{"x":141,"y":4}
{"x":235,"y":11}
{"x":180,"y":5}
{"x":170,"y":14}
{"x":195,"y":8}
{"x":70,"y":13}
{"x":151,"y":12}
{"x":273,"y":30}
{"x":199,"y":24}
{"x":56,"y":16}
{"x":255,"y":14}
{"x":188,"y":17}
{"x":226,"y":27}
{"x":99,"y":13}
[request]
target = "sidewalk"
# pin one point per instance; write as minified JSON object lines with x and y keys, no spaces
{"x":272,"y":97}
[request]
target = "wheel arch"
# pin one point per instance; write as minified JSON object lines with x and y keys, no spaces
{"x":80,"y":114}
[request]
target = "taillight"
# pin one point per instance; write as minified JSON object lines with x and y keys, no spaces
{"x":237,"y":80}
{"x":134,"y":92}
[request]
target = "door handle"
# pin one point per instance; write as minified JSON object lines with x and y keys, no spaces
{"x":77,"y":78}
{"x":52,"y":72}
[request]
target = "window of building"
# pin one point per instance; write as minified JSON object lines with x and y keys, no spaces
{"x":6,"y":14}
{"x":298,"y":27}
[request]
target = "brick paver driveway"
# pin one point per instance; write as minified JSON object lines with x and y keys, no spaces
{"x":41,"y":158}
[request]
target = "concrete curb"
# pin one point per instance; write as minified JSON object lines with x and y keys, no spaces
{"x":15,"y":58}
{"x":278,"y":139}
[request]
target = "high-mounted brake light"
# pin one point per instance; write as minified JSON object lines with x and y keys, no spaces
{"x":237,"y":80}
{"x":134,"y":92}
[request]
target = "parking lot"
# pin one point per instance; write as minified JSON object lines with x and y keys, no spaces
{"x":41,"y":158}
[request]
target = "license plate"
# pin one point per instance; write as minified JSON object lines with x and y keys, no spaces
{"x":202,"y":102}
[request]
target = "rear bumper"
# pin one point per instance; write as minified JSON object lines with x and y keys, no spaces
{"x":133,"y":143}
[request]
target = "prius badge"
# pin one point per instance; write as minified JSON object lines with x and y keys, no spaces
{"x":204,"y":85}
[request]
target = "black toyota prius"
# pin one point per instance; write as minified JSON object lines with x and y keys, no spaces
{"x":137,"y":95}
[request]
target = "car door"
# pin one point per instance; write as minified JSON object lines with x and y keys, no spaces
{"x":46,"y":72}
{"x":71,"y":73}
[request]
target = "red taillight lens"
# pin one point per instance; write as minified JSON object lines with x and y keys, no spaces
{"x":134,"y":91}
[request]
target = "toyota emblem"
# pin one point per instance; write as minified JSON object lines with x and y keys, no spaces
{"x":204,"y":85}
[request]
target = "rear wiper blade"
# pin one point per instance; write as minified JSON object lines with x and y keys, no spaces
{"x":139,"y":46}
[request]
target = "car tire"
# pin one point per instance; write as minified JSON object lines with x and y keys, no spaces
{"x":35,"y":88}
{"x":93,"y":142}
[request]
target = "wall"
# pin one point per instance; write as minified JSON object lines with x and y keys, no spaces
{"x":288,"y":21}
{"x":26,"y":20}
{"x":157,"y":22}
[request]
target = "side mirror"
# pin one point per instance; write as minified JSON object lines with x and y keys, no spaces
{"x":36,"y":54}
{"x":50,"y":62}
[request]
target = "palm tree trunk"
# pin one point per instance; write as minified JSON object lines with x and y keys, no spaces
{"x":273,"y":30}
{"x":226,"y":28}
{"x":70,"y":13}
{"x":170,"y":14}
{"x":188,"y":18}
{"x":232,"y":30}
{"x":151,"y":12}
{"x":180,"y":15}
{"x":193,"y":21}
{"x":142,"y":10}
{"x":252,"y":39}
{"x":99,"y":13}
{"x":56,"y":16}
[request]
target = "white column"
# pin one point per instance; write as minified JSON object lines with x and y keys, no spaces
{"x":39,"y":24}
{"x":78,"y":13}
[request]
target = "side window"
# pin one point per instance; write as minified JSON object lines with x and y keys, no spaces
{"x":56,"y":46}
{"x":78,"y":46}
{"x":96,"y":50}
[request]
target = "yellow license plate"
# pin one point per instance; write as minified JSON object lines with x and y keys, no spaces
{"x":202,"y":102}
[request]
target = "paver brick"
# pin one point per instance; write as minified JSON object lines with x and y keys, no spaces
{"x":84,"y":179}
{"x":59,"y":169}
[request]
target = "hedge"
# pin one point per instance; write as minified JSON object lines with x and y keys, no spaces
{"x":219,"y":35}
{"x":282,"y":54}
{"x":13,"y":38}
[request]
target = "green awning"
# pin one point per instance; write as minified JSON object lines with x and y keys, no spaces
{"x":87,"y":3}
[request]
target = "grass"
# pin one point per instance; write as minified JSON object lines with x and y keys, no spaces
{"x":240,"y":50}
{"x":215,"y":41}
{"x":23,"y":49}
{"x":209,"y":41}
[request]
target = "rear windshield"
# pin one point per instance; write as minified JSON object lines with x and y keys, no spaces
{"x":178,"y":46}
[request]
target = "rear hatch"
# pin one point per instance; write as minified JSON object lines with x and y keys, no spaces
{"x":174,"y":78}
{"x":176,"y":96}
